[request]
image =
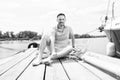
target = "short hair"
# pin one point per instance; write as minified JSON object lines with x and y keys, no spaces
{"x":61,"y":14}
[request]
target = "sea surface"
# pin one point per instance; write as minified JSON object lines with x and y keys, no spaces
{"x":9,"y":48}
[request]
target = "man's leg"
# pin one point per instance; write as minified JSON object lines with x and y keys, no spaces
{"x":60,"y":54}
{"x":42,"y":46}
{"x":67,"y":50}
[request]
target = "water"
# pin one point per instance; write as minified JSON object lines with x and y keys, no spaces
{"x":9,"y":48}
{"x":97,"y":45}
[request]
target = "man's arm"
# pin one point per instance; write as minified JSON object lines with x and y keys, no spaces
{"x":72,"y":38}
{"x":73,"y":41}
{"x":52,"y":44}
{"x":52,"y":37}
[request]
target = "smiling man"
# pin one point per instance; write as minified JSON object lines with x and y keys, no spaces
{"x":57,"y":42}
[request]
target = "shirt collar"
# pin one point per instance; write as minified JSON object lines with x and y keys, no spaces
{"x":58,"y":26}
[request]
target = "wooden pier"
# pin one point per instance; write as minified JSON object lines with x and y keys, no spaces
{"x":19,"y":67}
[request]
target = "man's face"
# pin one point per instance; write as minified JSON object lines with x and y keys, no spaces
{"x":61,"y":20}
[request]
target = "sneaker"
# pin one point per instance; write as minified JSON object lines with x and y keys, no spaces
{"x":37,"y":64}
{"x":46,"y":61}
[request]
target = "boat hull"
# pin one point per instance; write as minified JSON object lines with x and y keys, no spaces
{"x":112,"y":31}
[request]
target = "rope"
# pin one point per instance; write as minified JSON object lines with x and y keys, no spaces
{"x":101,"y":28}
{"x":92,"y":31}
{"x":106,"y":18}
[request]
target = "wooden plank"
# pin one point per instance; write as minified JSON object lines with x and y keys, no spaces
{"x":14,"y":57}
{"x":33,"y":73}
{"x":104,"y":57}
{"x":111,"y":68}
{"x":4,"y":60}
{"x":15,"y":71}
{"x":5,"y":67}
{"x":77,"y":72}
{"x":97,"y":72}
{"x":8,"y":59}
{"x":55,"y":72}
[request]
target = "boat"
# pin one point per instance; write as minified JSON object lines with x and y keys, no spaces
{"x":88,"y":66}
{"x":111,"y":27}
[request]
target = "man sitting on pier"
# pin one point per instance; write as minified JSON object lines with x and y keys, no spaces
{"x":57,"y":41}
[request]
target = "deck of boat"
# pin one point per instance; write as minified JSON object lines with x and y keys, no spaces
{"x":19,"y":67}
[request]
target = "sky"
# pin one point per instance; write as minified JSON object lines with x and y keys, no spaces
{"x":83,"y":16}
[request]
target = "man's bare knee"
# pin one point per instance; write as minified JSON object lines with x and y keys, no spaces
{"x":65,"y":51}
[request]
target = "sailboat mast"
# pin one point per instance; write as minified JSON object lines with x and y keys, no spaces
{"x":113,"y":16}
